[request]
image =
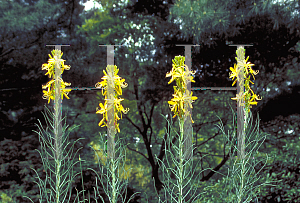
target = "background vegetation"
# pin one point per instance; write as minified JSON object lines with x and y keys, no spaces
{"x":149,"y":31}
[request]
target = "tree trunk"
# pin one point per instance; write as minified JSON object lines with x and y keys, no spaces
{"x":158,"y":184}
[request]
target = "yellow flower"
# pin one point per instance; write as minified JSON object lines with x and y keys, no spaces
{"x":101,"y":84}
{"x":51,"y":89}
{"x":48,"y":85}
{"x":51,"y":64}
{"x":177,"y":101}
{"x":118,"y":108}
{"x":48,"y":67}
{"x":117,"y":127}
{"x":48,"y":95}
{"x":253,"y":72}
{"x":247,"y":82}
{"x":234,"y":73}
{"x":103,"y":111}
{"x":171,"y":74}
{"x":239,"y":97}
{"x":118,"y":82}
{"x":179,"y":74}
{"x":189,"y":99}
{"x":255,"y":97}
{"x":246,"y":65}
{"x":65,"y":91}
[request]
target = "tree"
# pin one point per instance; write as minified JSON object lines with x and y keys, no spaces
{"x":226,"y":16}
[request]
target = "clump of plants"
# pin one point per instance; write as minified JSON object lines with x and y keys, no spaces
{"x":240,"y":184}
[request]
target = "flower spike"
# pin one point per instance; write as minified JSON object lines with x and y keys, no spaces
{"x":245,"y":66}
{"x":179,"y":74}
{"x":50,"y":93}
{"x":119,"y":83}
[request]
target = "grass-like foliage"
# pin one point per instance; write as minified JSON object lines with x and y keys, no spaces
{"x":182,"y":187}
{"x":113,"y":187}
{"x":241,"y":184}
{"x":59,"y":169}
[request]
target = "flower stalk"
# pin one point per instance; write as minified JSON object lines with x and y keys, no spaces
{"x":55,"y":92}
{"x":178,"y":105}
{"x":111,"y":83}
{"x":245,"y":100}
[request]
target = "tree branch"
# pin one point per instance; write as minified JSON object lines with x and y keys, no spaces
{"x":138,"y":104}
{"x":7,"y":52}
{"x":216,"y":134}
{"x":137,"y":152}
{"x":212,"y":172}
{"x":137,"y":127}
{"x":149,"y":121}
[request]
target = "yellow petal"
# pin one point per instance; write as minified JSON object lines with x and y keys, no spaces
{"x":118,"y":129}
{"x":100,"y":123}
{"x":234,"y":82}
{"x":168,"y":75}
{"x":253,"y":103}
{"x":171,"y":102}
{"x":117,"y":117}
{"x":66,"y":95}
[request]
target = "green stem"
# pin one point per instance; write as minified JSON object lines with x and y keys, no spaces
{"x":181,"y":162}
{"x":113,"y":181}
{"x":111,"y":127}
{"x":57,"y":126}
{"x":242,"y":183}
{"x":243,"y":160}
{"x":57,"y":182}
{"x":81,"y":178}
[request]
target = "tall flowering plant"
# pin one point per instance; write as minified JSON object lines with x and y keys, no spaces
{"x":243,"y":188}
{"x":178,"y":104}
{"x":60,"y":173}
{"x":112,"y":85}
{"x":241,"y":184}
